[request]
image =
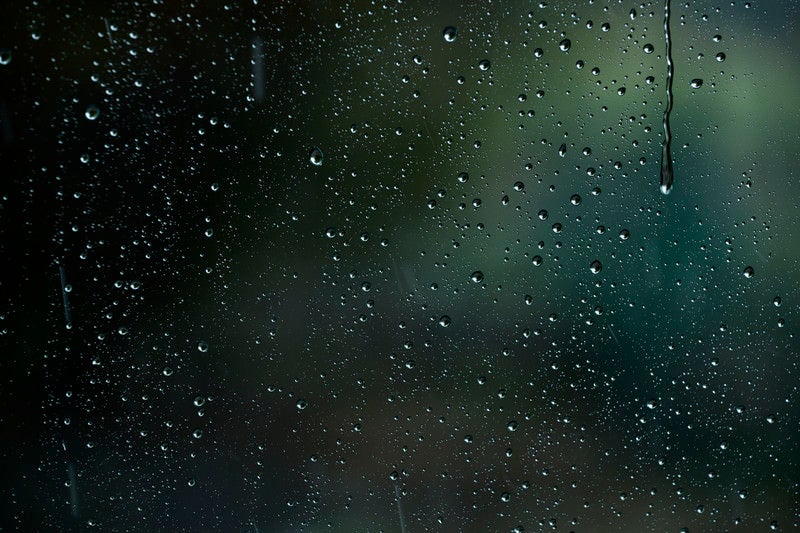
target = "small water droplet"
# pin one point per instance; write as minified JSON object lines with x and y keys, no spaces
{"x":484,"y":64}
{"x":720,"y":57}
{"x":748,"y":272}
{"x":648,"y":48}
{"x":596,"y":267}
{"x":477,"y":276}
{"x":564,"y":45}
{"x":696,"y":83}
{"x":301,"y":404}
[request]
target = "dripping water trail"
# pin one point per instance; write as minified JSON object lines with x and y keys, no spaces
{"x":666,"y":154}
{"x":400,"y":509}
{"x":67,"y":313}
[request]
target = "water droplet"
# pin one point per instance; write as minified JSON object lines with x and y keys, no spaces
{"x":575,"y":199}
{"x":484,"y":64}
{"x":202,"y":346}
{"x":777,"y":301}
{"x":543,"y":214}
{"x":624,"y":234}
{"x":315,"y":156}
{"x":505,"y":497}
{"x":5,"y":56}
{"x":564,"y":45}
{"x":301,"y":404}
{"x":696,"y":83}
{"x":450,"y":33}
{"x":477,"y":276}
{"x":652,"y":404}
{"x":538,"y":53}
{"x":512,"y":425}
{"x":648,"y":48}
{"x":720,"y":57}
{"x":444,"y":321}
{"x":716,"y":38}
{"x":92,"y":112}
{"x":197,"y":433}
{"x":596,"y":267}
{"x":462,"y":177}
{"x":562,"y":150}
{"x":621,"y":91}
{"x":748,"y":272}
{"x":537,"y":260}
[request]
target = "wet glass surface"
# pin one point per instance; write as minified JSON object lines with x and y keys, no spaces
{"x":280,"y":266}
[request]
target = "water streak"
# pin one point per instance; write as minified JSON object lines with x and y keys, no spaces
{"x":400,"y":509}
{"x":67,"y":313}
{"x":667,"y":174}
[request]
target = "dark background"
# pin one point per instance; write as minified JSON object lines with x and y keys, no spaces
{"x":179,"y":279}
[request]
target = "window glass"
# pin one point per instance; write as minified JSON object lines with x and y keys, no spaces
{"x":400,"y":266}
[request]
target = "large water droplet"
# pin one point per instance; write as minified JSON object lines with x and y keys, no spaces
{"x":450,"y":33}
{"x":315,"y":156}
{"x":92,"y":112}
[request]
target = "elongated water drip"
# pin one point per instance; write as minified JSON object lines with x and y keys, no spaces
{"x":667,"y":175}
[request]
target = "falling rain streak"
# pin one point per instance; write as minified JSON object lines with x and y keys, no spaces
{"x":666,"y":154}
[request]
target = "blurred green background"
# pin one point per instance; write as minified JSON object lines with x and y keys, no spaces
{"x":244,"y":340}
